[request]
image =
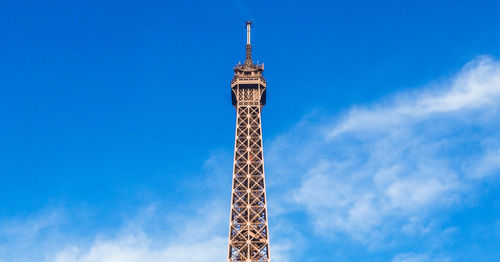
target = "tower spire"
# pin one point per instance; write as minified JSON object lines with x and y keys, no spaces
{"x":248,"y":58}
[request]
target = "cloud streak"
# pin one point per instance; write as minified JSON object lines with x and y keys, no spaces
{"x":139,"y":247}
{"x":194,"y":238}
{"x":378,"y":173}
{"x":476,"y":87}
{"x":411,"y":257}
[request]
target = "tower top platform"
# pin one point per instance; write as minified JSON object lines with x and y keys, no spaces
{"x":248,"y":73}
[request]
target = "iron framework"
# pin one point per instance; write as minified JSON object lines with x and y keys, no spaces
{"x":248,"y":229}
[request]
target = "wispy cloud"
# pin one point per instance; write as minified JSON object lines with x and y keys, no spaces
{"x":197,"y":232}
{"x":476,"y":87}
{"x":195,"y":237}
{"x":379,"y":172}
{"x":30,"y":228}
{"x":24,"y":239}
{"x":194,"y":231}
{"x":411,"y":257}
{"x":139,"y":247}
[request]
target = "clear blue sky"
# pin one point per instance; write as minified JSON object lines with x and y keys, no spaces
{"x":381,"y":132}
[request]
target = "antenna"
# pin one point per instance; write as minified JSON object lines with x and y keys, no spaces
{"x":248,"y":58}
{"x":249,"y":26}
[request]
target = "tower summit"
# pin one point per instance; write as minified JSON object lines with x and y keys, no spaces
{"x":248,"y":228}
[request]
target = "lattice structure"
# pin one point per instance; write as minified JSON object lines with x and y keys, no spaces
{"x":248,"y":229}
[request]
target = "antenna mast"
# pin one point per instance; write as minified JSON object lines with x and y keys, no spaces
{"x":248,"y":59}
{"x":249,"y":26}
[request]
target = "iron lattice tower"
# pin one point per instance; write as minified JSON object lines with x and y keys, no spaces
{"x":248,"y":228}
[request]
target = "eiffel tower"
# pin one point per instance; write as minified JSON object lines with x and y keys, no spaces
{"x":248,"y":229}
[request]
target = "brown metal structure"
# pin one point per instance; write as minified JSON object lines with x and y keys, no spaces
{"x":248,"y":229}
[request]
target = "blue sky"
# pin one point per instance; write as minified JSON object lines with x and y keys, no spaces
{"x":381,"y":130}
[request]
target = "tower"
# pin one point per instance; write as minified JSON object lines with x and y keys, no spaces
{"x":248,"y":229}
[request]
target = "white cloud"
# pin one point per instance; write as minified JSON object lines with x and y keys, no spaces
{"x":23,"y":240}
{"x":411,"y":257}
{"x":488,"y":164}
{"x":29,"y":228}
{"x":382,"y":170}
{"x":477,"y":86}
{"x":198,"y":236}
{"x":139,"y":248}
{"x":192,"y":237}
